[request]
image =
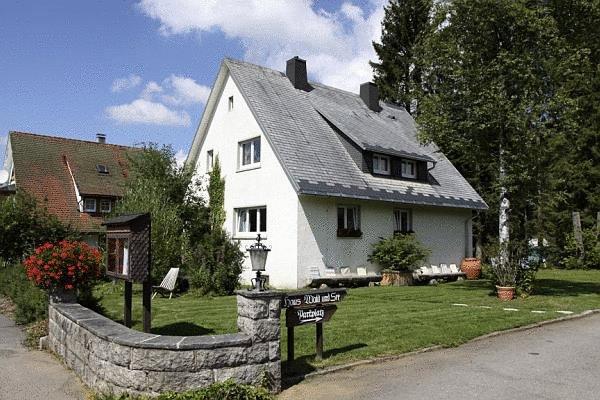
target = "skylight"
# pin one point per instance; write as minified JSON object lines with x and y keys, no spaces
{"x":102,"y":169}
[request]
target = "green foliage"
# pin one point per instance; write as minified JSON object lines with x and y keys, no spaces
{"x":31,"y":303}
{"x":228,"y":390}
{"x":168,"y":193}
{"x":218,"y":263}
{"x":401,"y":252}
{"x":404,"y":24}
{"x":216,"y":194}
{"x":591,"y":256}
{"x":25,"y":225}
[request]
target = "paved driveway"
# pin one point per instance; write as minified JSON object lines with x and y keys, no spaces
{"x":32,"y":375}
{"x":558,"y":361}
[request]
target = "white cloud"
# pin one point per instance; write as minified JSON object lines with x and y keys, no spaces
{"x":150,"y":90}
{"x":180,"y":157}
{"x":337,"y":45}
{"x":122,"y":84}
{"x":142,"y":111}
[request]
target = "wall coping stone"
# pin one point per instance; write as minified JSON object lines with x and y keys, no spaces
{"x":112,"y":331}
{"x":255,"y":294}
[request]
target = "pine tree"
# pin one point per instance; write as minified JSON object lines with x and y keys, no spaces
{"x":396,"y":74}
{"x":216,"y":194}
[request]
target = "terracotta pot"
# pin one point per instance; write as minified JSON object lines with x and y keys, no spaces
{"x":471,"y":267}
{"x":505,"y":293}
{"x":396,"y":278}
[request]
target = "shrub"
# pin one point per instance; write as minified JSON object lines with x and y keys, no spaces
{"x":31,"y":303}
{"x":24,"y":225}
{"x":228,"y":390}
{"x":591,"y":256}
{"x":401,"y":252}
{"x":219,"y":264}
{"x":66,"y":265}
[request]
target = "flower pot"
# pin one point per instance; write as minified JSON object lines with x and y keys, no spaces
{"x":471,"y":267}
{"x":63,"y":296}
{"x":505,"y":293}
{"x":396,"y":278}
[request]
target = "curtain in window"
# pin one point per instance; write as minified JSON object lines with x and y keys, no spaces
{"x":257,"y":150}
{"x":242,"y":221}
{"x":246,"y":153}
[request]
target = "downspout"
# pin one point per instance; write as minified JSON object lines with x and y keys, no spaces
{"x":77,"y":195}
{"x":469,"y":237}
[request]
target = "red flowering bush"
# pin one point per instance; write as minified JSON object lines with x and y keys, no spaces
{"x":66,"y":265}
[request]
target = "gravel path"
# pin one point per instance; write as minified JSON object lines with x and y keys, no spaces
{"x":32,"y":375}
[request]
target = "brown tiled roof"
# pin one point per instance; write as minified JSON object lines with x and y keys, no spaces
{"x":41,"y":166}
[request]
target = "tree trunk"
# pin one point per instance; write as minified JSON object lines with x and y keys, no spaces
{"x":578,"y":234}
{"x":503,"y":232}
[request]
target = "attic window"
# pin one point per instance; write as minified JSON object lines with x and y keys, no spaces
{"x":230,"y":103}
{"x":102,"y":169}
{"x":381,"y":164}
{"x":409,"y":169}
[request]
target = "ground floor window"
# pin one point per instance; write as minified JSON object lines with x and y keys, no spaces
{"x":251,"y":220}
{"x":348,"y":221}
{"x":402,"y":221}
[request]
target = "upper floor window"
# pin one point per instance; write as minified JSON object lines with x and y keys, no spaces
{"x":402,"y":221}
{"x":252,"y":220}
{"x":230,"y":103}
{"x":348,"y":221}
{"x":102,"y":169}
{"x":105,"y":205}
{"x":249,"y":153}
{"x":381,"y":164}
{"x":409,"y":169}
{"x":209,"y":160}
{"x":89,"y":205}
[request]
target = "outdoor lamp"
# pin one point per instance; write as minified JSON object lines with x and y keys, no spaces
{"x":258,"y":258}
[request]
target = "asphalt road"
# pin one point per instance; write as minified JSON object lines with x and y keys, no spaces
{"x":32,"y":375}
{"x":558,"y":361}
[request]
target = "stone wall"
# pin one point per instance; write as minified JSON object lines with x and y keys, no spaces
{"x":111,"y":358}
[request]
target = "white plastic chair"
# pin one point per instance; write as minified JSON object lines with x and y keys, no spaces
{"x":168,"y":284}
{"x":361,"y":271}
{"x":435,"y":270}
{"x":454,"y":269}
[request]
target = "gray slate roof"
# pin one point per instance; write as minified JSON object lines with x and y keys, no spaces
{"x":314,"y":157}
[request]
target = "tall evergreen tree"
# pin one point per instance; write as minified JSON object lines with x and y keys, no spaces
{"x":396,"y":75}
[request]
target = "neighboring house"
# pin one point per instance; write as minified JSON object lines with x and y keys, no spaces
{"x":323,"y":173}
{"x":76,"y":180}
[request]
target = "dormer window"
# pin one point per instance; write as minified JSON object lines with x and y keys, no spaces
{"x":409,"y":169}
{"x":102,"y":169}
{"x":381,"y":164}
{"x":89,"y":205}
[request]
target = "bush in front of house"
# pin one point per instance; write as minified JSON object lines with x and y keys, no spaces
{"x":228,"y":390}
{"x":25,"y":225}
{"x":65,"y":266}
{"x":401,"y":252}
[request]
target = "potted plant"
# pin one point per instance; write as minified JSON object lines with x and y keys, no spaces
{"x":63,"y":268}
{"x":505,"y":268}
{"x":398,"y":256}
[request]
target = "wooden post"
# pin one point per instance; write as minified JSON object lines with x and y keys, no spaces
{"x":578,"y":234}
{"x":290,"y":344}
{"x":319,"y":326}
{"x":147,"y":304}
{"x":127,"y":304}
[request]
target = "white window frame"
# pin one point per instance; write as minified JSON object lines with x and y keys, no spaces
{"x":398,"y":220}
{"x":405,"y":173}
{"x":85,"y":207}
{"x":345,"y":207}
{"x":230,"y":103}
{"x":377,"y":158}
{"x":210,"y":159}
{"x":253,"y":162}
{"x":244,"y":212}
{"x":109,"y":206}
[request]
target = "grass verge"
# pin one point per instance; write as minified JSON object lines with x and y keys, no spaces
{"x":380,"y":321}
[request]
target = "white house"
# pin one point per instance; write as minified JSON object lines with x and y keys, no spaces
{"x":323,"y":173}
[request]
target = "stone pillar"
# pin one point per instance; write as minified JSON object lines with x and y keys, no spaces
{"x":259,"y":316}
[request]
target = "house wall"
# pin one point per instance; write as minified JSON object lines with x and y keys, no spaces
{"x":267,"y":185}
{"x":443,"y":230}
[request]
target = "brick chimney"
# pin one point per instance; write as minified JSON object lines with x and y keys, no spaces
{"x":100,"y":138}
{"x":296,"y":72}
{"x":369,"y":93}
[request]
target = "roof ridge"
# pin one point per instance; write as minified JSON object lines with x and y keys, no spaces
{"x":60,"y":138}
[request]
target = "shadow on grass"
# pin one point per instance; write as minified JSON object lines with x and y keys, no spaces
{"x":302,"y":365}
{"x":182,"y":329}
{"x":555,"y":287}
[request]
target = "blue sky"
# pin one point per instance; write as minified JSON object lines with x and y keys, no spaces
{"x":140,"y":71}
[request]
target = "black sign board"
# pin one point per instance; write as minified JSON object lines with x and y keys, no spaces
{"x":313,"y":298}
{"x":303,"y":316}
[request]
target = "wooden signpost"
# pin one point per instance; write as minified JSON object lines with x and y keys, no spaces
{"x":310,"y":307}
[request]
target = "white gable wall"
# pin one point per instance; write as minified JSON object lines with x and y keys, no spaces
{"x":265,"y":186}
{"x":443,"y":230}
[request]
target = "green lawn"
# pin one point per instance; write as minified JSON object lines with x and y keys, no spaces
{"x":380,"y":321}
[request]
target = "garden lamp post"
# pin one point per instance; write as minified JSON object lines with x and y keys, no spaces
{"x":258,"y":258}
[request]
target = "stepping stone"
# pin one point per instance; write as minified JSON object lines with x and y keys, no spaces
{"x":538,"y":312}
{"x":565,"y":312}
{"x":510,"y":309}
{"x":487,"y":307}
{"x":460,"y":305}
